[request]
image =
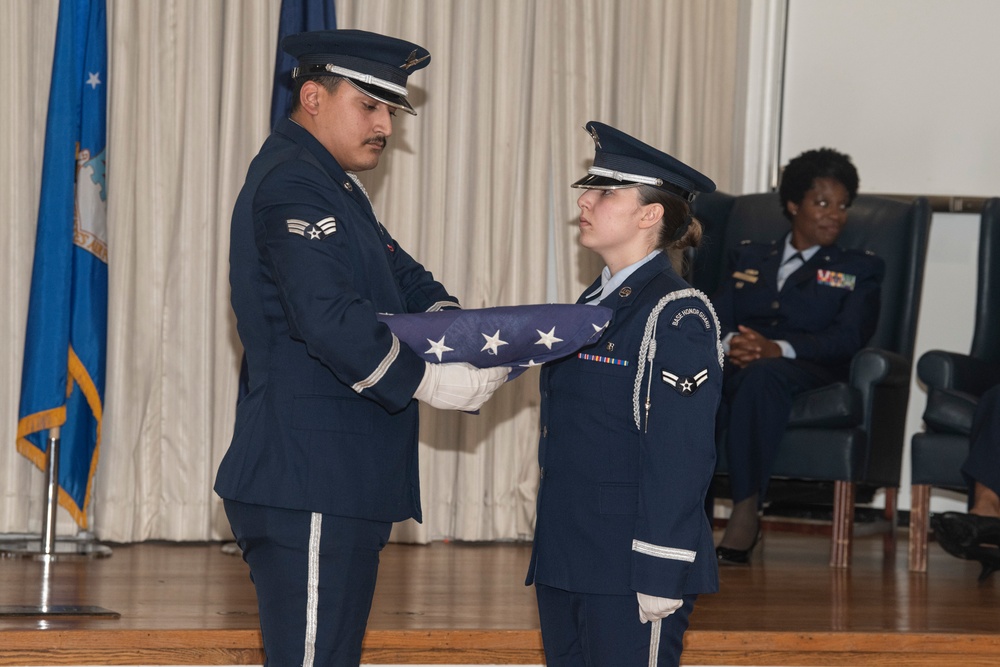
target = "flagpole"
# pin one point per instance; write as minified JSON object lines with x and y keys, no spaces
{"x":51,"y":551}
{"x":51,"y":493}
{"x":50,"y":548}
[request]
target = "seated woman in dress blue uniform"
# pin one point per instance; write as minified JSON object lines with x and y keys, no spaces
{"x":627,"y":448}
{"x":793,"y":313}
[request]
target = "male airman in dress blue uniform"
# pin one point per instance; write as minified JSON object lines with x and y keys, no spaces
{"x":324,"y":454}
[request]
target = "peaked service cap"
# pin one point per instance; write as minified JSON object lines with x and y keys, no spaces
{"x":377,"y":65}
{"x":622,"y":161}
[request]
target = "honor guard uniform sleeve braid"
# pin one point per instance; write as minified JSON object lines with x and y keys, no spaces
{"x":322,"y":251}
{"x":677,"y":390}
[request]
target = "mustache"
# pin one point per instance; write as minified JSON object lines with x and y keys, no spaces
{"x":379,"y":140}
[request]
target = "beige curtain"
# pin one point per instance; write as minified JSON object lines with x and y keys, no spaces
{"x":475,"y":186}
{"x":27,"y":37}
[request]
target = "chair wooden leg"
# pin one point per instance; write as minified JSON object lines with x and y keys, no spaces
{"x":843,"y":524}
{"x":920,"y":505}
{"x":891,"y":499}
{"x":891,"y":514}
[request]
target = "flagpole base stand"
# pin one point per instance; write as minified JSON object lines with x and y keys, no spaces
{"x":64,"y":610}
{"x":64,"y":549}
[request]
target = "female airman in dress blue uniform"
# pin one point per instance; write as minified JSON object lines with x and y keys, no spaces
{"x":793,"y":313}
{"x":622,"y":543}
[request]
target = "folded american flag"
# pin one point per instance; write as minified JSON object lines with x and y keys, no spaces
{"x":515,"y":336}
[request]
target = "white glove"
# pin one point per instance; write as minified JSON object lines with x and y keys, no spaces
{"x":652,"y":608}
{"x":459,"y":386}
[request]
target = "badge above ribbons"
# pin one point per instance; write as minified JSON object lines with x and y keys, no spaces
{"x":515,"y":336}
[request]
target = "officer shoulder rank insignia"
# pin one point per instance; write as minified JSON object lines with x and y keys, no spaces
{"x":746,"y":276}
{"x":685,"y":385}
{"x":835,"y":279}
{"x":318,"y":230}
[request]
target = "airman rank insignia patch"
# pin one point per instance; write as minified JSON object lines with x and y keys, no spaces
{"x":835,"y":279}
{"x":318,"y":230}
{"x":684,"y":385}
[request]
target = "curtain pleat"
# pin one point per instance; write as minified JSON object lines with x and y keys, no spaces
{"x":476,"y":187}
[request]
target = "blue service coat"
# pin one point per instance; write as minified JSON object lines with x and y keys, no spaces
{"x":827,"y":309}
{"x":623,"y":480}
{"x":329,"y":424}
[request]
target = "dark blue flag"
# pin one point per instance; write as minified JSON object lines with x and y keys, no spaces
{"x":296,"y":16}
{"x":515,"y":336}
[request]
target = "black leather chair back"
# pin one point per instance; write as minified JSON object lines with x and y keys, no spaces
{"x":895,"y":231}
{"x":986,"y":336}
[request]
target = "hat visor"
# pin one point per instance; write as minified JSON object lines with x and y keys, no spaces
{"x":592,"y":182}
{"x":383,"y":95}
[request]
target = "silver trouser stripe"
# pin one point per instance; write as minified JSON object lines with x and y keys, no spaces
{"x":312,"y":590}
{"x":382,"y":369}
{"x":440,"y":305}
{"x":663,"y":552}
{"x":654,"y":642}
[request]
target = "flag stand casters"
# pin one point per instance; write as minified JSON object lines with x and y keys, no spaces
{"x":48,"y":548}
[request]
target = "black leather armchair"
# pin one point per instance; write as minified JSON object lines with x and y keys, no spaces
{"x":955,"y":381}
{"x":849,"y":433}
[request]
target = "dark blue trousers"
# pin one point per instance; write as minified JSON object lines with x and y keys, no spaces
{"x":315,"y":577}
{"x":753,"y":413}
{"x":588,"y":630}
{"x":983,"y":463}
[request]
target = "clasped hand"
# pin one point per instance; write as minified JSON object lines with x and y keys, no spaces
{"x":748,"y":345}
{"x":459,"y":386}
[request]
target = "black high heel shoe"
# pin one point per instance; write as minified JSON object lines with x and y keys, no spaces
{"x":963,"y":536}
{"x":988,"y":557}
{"x":726,"y":555}
{"x":958,"y":532}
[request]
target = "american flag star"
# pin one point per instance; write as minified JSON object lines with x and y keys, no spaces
{"x":548,"y":339}
{"x":438,"y":348}
{"x":493,"y":342}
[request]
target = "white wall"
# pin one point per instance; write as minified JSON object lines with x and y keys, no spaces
{"x":908,"y":89}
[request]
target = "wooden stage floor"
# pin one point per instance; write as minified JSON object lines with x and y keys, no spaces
{"x":465,"y":604}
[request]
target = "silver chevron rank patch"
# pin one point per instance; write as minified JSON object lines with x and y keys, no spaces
{"x":319,"y":230}
{"x":685,"y":385}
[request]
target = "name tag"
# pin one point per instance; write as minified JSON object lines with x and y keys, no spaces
{"x":835,"y":279}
